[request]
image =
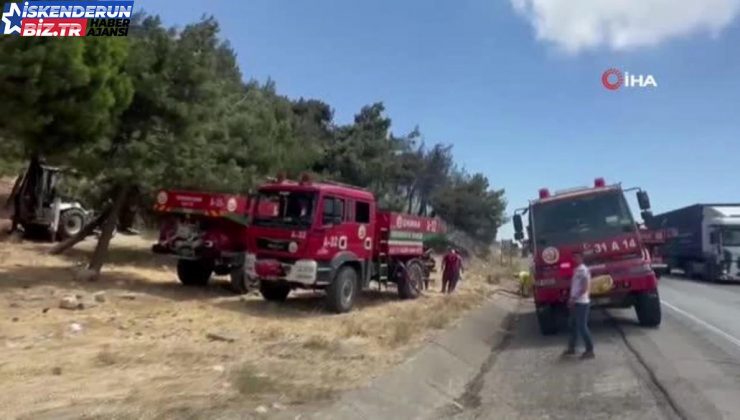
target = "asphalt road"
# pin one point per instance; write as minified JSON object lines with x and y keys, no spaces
{"x":688,"y":368}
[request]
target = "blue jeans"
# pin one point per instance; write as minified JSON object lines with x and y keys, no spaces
{"x":579,"y":326}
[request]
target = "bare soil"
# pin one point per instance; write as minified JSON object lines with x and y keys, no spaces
{"x":6,"y":186}
{"x":144,"y":346}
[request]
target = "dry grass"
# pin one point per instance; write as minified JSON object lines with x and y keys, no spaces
{"x":318,"y":342}
{"x":148,"y":357}
{"x":251,"y":383}
{"x":106,"y":357}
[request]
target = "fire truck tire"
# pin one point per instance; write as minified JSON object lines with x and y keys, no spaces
{"x":547,"y":318}
{"x":410,"y":285}
{"x":274,"y":292}
{"x":647,"y":307}
{"x":71,"y":223}
{"x":341,"y":293}
{"x":194,"y":272}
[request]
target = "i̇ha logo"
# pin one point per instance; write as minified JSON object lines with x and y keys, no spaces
{"x":614,"y":79}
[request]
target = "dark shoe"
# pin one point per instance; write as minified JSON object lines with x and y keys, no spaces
{"x":569,"y":352}
{"x":588,"y":354}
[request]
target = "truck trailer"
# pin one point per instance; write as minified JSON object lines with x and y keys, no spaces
{"x":706,"y":244}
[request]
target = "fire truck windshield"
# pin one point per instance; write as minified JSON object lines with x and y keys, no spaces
{"x":580,"y":219}
{"x":284,"y":208}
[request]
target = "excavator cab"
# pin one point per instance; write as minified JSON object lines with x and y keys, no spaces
{"x":40,"y":208}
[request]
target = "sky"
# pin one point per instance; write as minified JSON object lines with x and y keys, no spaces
{"x":515,"y":85}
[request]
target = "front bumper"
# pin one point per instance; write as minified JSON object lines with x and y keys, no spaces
{"x":301,"y":272}
{"x":623,"y":286}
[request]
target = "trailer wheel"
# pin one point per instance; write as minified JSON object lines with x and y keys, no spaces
{"x":647,"y":307}
{"x":194,"y":272}
{"x":710,"y":273}
{"x":71,"y":223}
{"x":341,"y":293}
{"x":273,"y":291}
{"x":547,"y":318}
{"x":411,"y":280}
{"x":689,"y":271}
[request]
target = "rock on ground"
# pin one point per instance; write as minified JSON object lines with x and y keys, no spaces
{"x":69,"y":302}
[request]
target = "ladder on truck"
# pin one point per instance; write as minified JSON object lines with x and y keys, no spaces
{"x":383,"y":258}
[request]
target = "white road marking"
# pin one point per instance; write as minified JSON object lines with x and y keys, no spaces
{"x":704,"y":324}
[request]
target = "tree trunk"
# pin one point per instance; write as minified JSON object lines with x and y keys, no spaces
{"x":82,"y":234}
{"x":101,"y":249}
{"x":423,"y":205}
{"x":410,"y":200}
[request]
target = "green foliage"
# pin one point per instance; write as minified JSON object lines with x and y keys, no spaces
{"x":472,"y":206}
{"x":438,"y":242}
{"x":167,"y":108}
{"x":61,"y":93}
{"x":11,"y":156}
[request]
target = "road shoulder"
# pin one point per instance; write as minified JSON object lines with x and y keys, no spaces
{"x":433,"y":377}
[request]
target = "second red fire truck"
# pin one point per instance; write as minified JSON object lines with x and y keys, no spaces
{"x":330,"y":236}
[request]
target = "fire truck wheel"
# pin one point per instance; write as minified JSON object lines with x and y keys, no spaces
{"x":410,"y":285}
{"x":647,"y":307}
{"x":194,"y":272}
{"x":239,"y":280}
{"x":71,"y":223}
{"x":274,"y":292}
{"x":341,"y":293}
{"x":547,"y":318}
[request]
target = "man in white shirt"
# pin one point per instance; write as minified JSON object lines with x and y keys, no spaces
{"x":580,"y":304}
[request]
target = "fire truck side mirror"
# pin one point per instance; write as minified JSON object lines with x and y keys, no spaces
{"x":518,"y":228}
{"x":643,"y":200}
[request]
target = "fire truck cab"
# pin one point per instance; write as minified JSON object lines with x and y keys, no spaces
{"x":332,"y":237}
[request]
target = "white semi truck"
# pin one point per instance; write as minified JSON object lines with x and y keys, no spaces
{"x":706,"y":244}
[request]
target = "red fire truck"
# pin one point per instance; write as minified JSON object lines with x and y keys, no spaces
{"x":597,"y":222}
{"x":206,"y":232}
{"x":330,"y":236}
